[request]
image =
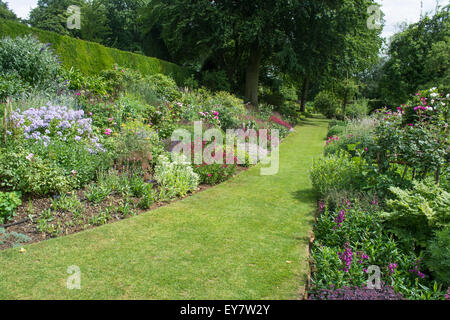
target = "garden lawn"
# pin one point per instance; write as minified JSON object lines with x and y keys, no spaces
{"x":244,"y":239}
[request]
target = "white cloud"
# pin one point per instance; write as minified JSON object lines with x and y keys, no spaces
{"x":22,"y":7}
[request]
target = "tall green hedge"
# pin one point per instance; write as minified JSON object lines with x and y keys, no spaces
{"x":90,"y":57}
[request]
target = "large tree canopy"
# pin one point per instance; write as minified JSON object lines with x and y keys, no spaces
{"x":222,"y":32}
{"x":331,"y":41}
{"x":112,"y":23}
{"x":306,"y":38}
{"x":418,"y":58}
{"x":5,"y":12}
{"x":52,"y":15}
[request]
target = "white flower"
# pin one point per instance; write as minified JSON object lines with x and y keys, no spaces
{"x":30,"y":156}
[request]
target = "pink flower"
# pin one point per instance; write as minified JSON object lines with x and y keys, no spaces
{"x":108,"y":132}
{"x":209,"y":174}
{"x":410,"y":124}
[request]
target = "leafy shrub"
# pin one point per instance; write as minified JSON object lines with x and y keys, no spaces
{"x":438,"y":256}
{"x":357,"y":110}
{"x":12,"y":85}
{"x":164,"y":87}
{"x":357,"y":135}
{"x":96,"y":193}
{"x":336,"y":122}
{"x":336,"y":171}
{"x":414,"y":214}
{"x":176,"y":177}
{"x":214,"y":173}
{"x":118,"y":78}
{"x":137,"y":148}
{"x":326,"y":103}
{"x":9,"y":202}
{"x":67,"y":203}
{"x":29,"y":173}
{"x":134,"y":109}
{"x":291,"y":111}
{"x":29,"y":60}
{"x":336,"y":131}
{"x":229,"y":107}
{"x":216,"y":80}
{"x":148,"y":197}
{"x":347,"y":223}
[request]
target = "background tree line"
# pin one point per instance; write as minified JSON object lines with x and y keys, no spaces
{"x":263,"y":47}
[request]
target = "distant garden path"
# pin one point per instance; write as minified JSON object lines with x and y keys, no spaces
{"x":244,"y":239}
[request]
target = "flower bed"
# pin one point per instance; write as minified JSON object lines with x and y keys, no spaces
{"x":385,"y":206}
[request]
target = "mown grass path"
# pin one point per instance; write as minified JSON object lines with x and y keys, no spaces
{"x":244,"y":239}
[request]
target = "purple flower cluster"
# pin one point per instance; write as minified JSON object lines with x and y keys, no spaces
{"x":356,"y":293}
{"x":447,"y":296}
{"x":340,"y":219}
{"x":416,"y":269}
{"x":361,"y":257}
{"x":392,"y":267}
{"x":50,"y":122}
{"x":321,"y":206}
{"x":346,"y":257}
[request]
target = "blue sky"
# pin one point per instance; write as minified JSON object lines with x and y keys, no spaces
{"x":396,"y":11}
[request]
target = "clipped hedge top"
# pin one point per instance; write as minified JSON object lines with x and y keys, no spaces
{"x":91,"y":57}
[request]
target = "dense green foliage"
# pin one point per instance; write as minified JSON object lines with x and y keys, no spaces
{"x":175,"y":177}
{"x":414,"y":215}
{"x":9,"y":202}
{"x":26,"y":63}
{"x":247,"y":41}
{"x":91,"y":58}
{"x":438,"y":256}
{"x":418,"y":59}
{"x":326,"y":103}
{"x":382,"y":203}
{"x":5,"y":12}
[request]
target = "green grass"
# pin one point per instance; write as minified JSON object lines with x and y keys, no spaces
{"x":228,"y":242}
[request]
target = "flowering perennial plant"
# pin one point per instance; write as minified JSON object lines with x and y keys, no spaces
{"x":332,"y":139}
{"x":281,"y":122}
{"x":211,"y":117}
{"x":346,"y":257}
{"x":56,"y":123}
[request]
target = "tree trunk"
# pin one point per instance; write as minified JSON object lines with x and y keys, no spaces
{"x":252,"y":75}
{"x":305,"y":89}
